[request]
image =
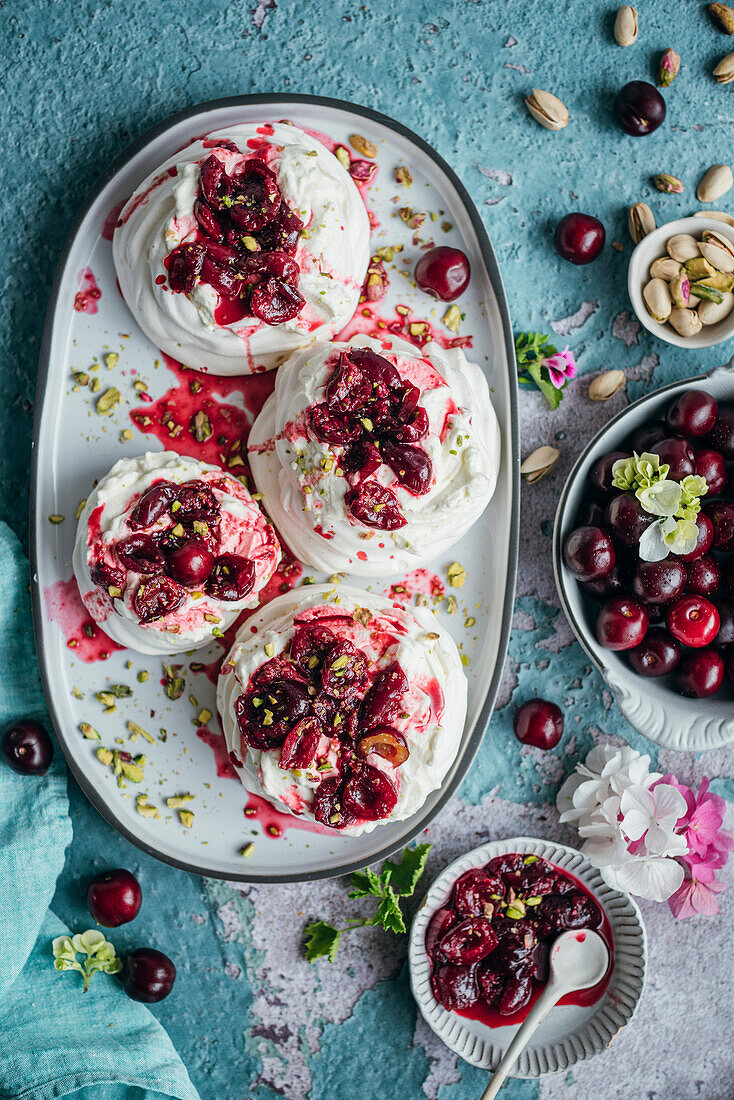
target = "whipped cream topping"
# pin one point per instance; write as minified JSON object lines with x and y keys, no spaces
{"x":432,"y":713}
{"x":304,"y":491}
{"x":333,"y":251}
{"x":243,"y":530}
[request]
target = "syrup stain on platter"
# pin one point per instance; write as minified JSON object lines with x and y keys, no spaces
{"x":112,"y":221}
{"x":274,"y":823}
{"x":368,"y":322}
{"x":83,"y":636}
{"x":215,"y":740}
{"x":88,"y":295}
{"x":418,"y":582}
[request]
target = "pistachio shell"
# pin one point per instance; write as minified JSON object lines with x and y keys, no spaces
{"x":683,"y":247}
{"x":716,"y":182}
{"x":665,"y":268}
{"x":539,"y":463}
{"x":724,"y":71}
{"x":547,"y":109}
{"x":657,"y":299}
{"x":710,"y":313}
{"x":724,"y":16}
{"x":625,"y":26}
{"x":607,"y":384}
{"x":717,"y":215}
{"x":718,"y":250}
{"x":640,"y":220}
{"x":686,"y":322}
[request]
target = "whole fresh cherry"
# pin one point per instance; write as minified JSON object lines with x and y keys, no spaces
{"x":191,"y":564}
{"x":657,"y":654}
{"x":639,"y":108}
{"x":114,"y":897}
{"x":600,"y":474}
{"x":443,"y":272}
{"x":704,"y":538}
{"x":700,"y":674}
{"x":148,"y":975}
{"x":721,"y":514}
{"x":722,"y":433}
{"x":589,"y":553}
{"x":678,"y":455}
{"x":694,"y":413}
{"x":621,"y":623}
{"x":725,"y":637}
{"x":712,"y":466}
{"x":538,"y":723}
{"x":627,"y":519}
{"x":26,"y":747}
{"x":579,"y":238}
{"x":613,"y":584}
{"x":659,"y":581}
{"x":646,"y":436}
{"x":693,"y":620}
{"x":704,"y":576}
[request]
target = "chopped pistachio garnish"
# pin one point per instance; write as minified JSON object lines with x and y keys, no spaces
{"x":403,"y":176}
{"x":80,"y":508}
{"x":451,"y":605}
{"x":187,"y":818}
{"x":143,"y":676}
{"x":469,"y":621}
{"x":203,"y":717}
{"x":125,"y":435}
{"x":89,"y":732}
{"x":105,"y":756}
{"x":96,"y":385}
{"x":269,"y":649}
{"x":247,"y":850}
{"x":108,"y":400}
{"x":342,"y":155}
{"x":111,"y":359}
{"x":145,"y":808}
{"x":176,"y":802}
{"x":201,"y":427}
{"x":138,"y":731}
{"x":452,"y":318}
{"x":456,"y":574}
{"x":174,"y":684}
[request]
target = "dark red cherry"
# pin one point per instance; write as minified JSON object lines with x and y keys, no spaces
{"x":333,"y":429}
{"x":704,"y":576}
{"x":694,"y":413}
{"x":387,"y":742}
{"x":678,"y":455}
{"x":275,"y":301}
{"x":343,"y":670}
{"x":516,"y":996}
{"x":157,"y":597}
{"x":613,"y":584}
{"x":140,"y":554}
{"x":722,"y":433}
{"x":411,"y":466}
{"x":309,"y":646}
{"x":704,"y":539}
{"x":107,"y":576}
{"x":639,"y":108}
{"x":725,"y":637}
{"x":153,"y":504}
{"x":693,"y":620}
{"x":278,"y":264}
{"x":221,"y":277}
{"x":369,"y":794}
{"x":645,"y":437}
{"x":148,"y":975}
{"x":656,"y":655}
{"x":232,"y":577}
{"x":700,"y":674}
{"x":627,"y":519}
{"x":299,"y":747}
{"x":579,"y":238}
{"x":328,"y":805}
{"x":600,"y":474}
{"x":589,"y":554}
{"x":721,"y":514}
{"x":191,"y":564}
{"x":375,"y":505}
{"x":184,"y":265}
{"x":195,"y":501}
{"x":443,"y":272}
{"x":729,"y":666}
{"x":214,"y":182}
{"x":473,"y":893}
{"x":439,"y":925}
{"x":210,"y":222}
{"x":255,"y":197}
{"x":283,"y":233}
{"x":360,"y":460}
{"x":114,"y":897}
{"x":348,"y":388}
{"x":469,"y":941}
{"x":490,"y":983}
{"x":414,"y":427}
{"x":621,"y":623}
{"x":26,"y":747}
{"x":712,"y":466}
{"x":380,"y":371}
{"x":659,"y":581}
{"x":455,"y":987}
{"x":384,"y":701}
{"x":539,"y":723}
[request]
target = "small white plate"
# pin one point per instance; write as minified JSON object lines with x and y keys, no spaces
{"x":570,"y":1033}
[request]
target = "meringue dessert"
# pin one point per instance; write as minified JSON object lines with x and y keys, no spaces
{"x":375,"y":457}
{"x":243,"y":246}
{"x":169,"y":550}
{"x":342,"y":707}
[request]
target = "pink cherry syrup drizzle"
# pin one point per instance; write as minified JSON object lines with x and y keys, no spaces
{"x":83,"y":636}
{"x":275,"y":824}
{"x":215,"y":740}
{"x":367,"y":321}
{"x":417,"y":582}
{"x":88,"y":295}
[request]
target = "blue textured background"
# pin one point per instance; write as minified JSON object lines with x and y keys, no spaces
{"x":79,"y":80}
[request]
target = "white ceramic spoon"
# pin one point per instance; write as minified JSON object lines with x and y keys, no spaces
{"x":578,"y":960}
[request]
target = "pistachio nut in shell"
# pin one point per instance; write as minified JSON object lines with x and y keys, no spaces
{"x":718,"y":250}
{"x":640,"y":221}
{"x":724,"y":16}
{"x":686,"y":322}
{"x":547,"y":109}
{"x":710,"y":313}
{"x":658,"y":300}
{"x":539,"y":463}
{"x":665,"y":268}
{"x":724,"y":71}
{"x":625,"y":26}
{"x":605,"y":385}
{"x":669,"y":185}
{"x":717,"y":215}
{"x":668,"y":68}
{"x":715,"y":183}
{"x":682,"y":247}
{"x":680,"y":290}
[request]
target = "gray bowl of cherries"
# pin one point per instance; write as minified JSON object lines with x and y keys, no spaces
{"x":644,"y":560}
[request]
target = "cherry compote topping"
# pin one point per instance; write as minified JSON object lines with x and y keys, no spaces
{"x":244,"y":244}
{"x":488,"y":945}
{"x":316,"y":701}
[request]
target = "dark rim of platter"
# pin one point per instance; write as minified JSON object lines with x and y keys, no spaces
{"x":460,"y":768}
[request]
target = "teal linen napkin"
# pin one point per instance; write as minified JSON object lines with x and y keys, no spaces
{"x":56,"y":1040}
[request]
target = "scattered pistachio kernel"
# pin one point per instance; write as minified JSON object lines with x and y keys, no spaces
{"x":143,"y":676}
{"x":56,"y":519}
{"x":452,"y":605}
{"x":186,"y":818}
{"x":145,"y":808}
{"x":111,"y":359}
{"x":80,"y":508}
{"x":403,"y":176}
{"x":105,"y":756}
{"x":176,"y":802}
{"x":125,"y":435}
{"x":363,"y":146}
{"x":452,"y":318}
{"x":108,"y":400}
{"x":456,"y":574}
{"x":138,"y":731}
{"x":204,"y":716}
{"x":89,"y":732}
{"x":269,"y":649}
{"x":342,"y":155}
{"x":247,"y":850}
{"x":201,"y":427}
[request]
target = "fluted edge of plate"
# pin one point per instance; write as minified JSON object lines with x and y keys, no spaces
{"x":617,"y":1007}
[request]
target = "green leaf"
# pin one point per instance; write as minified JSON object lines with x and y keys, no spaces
{"x":365,"y":884}
{"x":530,"y":346}
{"x":549,"y":391}
{"x":322,"y":940}
{"x":403,"y":876}
{"x":389,"y":915}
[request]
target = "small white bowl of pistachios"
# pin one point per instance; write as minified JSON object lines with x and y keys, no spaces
{"x":681,"y":282}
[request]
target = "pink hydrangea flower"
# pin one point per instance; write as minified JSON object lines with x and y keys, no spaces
{"x":696,"y":897}
{"x":561,"y":367}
